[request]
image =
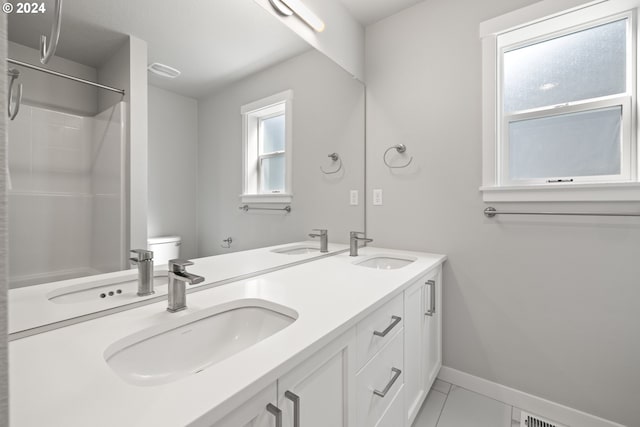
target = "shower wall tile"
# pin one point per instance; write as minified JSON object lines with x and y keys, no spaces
{"x":107,"y":251}
{"x":106,"y":174}
{"x":66,"y":172}
{"x":59,"y":182}
{"x":48,"y":234}
{"x":59,"y":149}
{"x":20,"y":141}
{"x":50,"y":152}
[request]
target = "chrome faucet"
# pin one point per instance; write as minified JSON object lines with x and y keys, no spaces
{"x":144,"y":261}
{"x":353,"y":242}
{"x":178,"y":276}
{"x":324,"y":239}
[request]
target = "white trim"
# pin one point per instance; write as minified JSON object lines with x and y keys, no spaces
{"x":538,"y":405}
{"x":250,"y":115}
{"x":266,"y":198}
{"x":494,"y":186}
{"x":263,"y":103}
{"x":611,"y":192}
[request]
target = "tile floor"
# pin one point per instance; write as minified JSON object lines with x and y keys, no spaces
{"x":452,"y":406}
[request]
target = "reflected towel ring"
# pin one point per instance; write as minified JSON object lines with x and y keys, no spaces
{"x":400,"y":148}
{"x":14,"y":101}
{"x":335,"y":157}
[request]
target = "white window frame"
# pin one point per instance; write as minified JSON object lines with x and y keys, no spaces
{"x":252,"y":116}
{"x":542,"y":21}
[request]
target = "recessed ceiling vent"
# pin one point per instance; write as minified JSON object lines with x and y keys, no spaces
{"x":163,"y":70}
{"x":530,"y":420}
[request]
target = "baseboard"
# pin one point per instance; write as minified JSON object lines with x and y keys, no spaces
{"x":522,"y":400}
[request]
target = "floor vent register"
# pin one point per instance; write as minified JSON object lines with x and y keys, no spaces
{"x":530,"y":420}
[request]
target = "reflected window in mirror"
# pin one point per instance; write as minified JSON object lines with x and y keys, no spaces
{"x":271,"y":152}
{"x":267,"y":144}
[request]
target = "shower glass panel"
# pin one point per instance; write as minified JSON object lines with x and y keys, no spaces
{"x":66,"y":194}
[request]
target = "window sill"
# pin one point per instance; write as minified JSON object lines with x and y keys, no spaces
{"x":613,"y":192}
{"x":266,"y":198}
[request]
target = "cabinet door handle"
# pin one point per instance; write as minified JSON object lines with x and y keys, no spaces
{"x":432,"y":308}
{"x":396,"y":375}
{"x":296,"y":406}
{"x":396,"y":320}
{"x":273,"y":410}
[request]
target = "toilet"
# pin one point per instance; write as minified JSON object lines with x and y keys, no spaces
{"x":164,"y":248}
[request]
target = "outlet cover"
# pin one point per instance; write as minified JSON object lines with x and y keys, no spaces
{"x":377,"y":197}
{"x":353,"y":198}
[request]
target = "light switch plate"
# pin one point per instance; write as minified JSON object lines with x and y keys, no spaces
{"x":353,"y":198}
{"x":377,"y":197}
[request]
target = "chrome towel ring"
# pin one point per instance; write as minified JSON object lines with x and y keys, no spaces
{"x":335,"y":157}
{"x":400,"y":148}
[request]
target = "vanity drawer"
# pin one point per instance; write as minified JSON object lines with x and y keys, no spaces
{"x":379,"y":382}
{"x":394,"y":415}
{"x":378,"y":329}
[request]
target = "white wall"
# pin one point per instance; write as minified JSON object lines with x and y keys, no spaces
{"x":342,"y":39}
{"x":127,"y":70}
{"x":328,"y":116}
{"x":544,"y":305}
{"x":173,"y":173}
{"x":51,"y":91}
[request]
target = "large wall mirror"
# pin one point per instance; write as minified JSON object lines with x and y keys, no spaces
{"x":83,"y":191}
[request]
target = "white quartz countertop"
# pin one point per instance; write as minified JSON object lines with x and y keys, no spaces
{"x":30,"y":307}
{"x":60,"y":378}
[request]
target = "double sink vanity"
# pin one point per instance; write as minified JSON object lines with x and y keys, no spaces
{"x":294,"y":338}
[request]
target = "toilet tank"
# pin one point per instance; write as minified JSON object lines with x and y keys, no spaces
{"x":164,"y":249}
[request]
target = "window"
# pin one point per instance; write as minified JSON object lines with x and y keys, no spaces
{"x":267,"y":149}
{"x":559,"y":104}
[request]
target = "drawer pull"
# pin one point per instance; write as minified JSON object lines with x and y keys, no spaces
{"x":396,"y":375}
{"x":273,"y":410}
{"x":432,"y":308}
{"x":396,"y":320}
{"x":296,"y":406}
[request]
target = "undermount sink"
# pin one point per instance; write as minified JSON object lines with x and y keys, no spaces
{"x":103,"y":289}
{"x":386,"y":262}
{"x":177,"y":349}
{"x":297,"y":250}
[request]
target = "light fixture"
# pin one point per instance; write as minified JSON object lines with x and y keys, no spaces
{"x":289,"y":7}
{"x":163,"y":70}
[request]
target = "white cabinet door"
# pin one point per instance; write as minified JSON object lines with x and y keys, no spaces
{"x":433,"y":328}
{"x":414,"y":357}
{"x":320,"y":392}
{"x":254,"y":412}
{"x":423,"y":340}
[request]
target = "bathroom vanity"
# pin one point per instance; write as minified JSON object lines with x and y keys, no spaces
{"x":32,"y":309}
{"x":339,"y":341}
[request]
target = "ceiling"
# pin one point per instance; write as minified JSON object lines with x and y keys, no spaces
{"x":213,"y":42}
{"x":370,"y":11}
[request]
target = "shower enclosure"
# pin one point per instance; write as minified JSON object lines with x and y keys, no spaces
{"x":66,"y":194}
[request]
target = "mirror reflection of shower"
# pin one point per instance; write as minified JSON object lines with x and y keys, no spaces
{"x":67,"y":159}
